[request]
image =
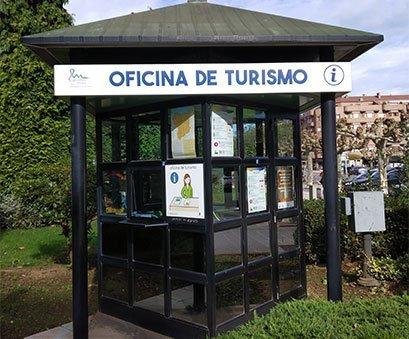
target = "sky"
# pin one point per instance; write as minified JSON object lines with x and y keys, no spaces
{"x":383,"y":69}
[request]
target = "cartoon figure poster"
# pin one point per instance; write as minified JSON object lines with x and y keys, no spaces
{"x":184,"y":191}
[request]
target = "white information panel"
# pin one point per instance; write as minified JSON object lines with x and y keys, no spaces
{"x":222,"y":134}
{"x":257,"y":189}
{"x":184,"y":191}
{"x":180,"y":79}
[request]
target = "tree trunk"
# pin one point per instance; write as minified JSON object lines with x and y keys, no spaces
{"x":382,"y":162}
{"x":310,"y":175}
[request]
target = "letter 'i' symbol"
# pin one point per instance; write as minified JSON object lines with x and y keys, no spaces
{"x":333,"y":73}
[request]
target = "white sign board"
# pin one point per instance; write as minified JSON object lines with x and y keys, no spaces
{"x":222,"y":134}
{"x":184,"y":191}
{"x":180,"y":79}
{"x":256,"y":189}
{"x":368,"y":212}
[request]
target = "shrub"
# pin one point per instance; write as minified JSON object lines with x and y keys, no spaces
{"x":314,"y":222}
{"x":376,"y":318}
{"x":393,"y":242}
{"x":387,"y":268}
{"x":41,"y":197}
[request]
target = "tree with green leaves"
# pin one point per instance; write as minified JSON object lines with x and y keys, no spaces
{"x":34,"y":125}
{"x":35,"y":185}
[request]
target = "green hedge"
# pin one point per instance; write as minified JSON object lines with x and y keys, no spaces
{"x":393,"y":242}
{"x":376,"y":318}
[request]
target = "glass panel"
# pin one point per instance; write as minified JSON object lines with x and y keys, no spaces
{"x":258,"y":241}
{"x":285,"y":137}
{"x":224,"y":131}
{"x":225,"y":182}
{"x":115,"y":282}
{"x":288,"y":235}
{"x":149,"y":291}
{"x":114,"y":240}
{"x":147,"y":185}
{"x":260,"y":287}
{"x":256,"y":189}
{"x":147,"y":129}
{"x":113,"y":140}
{"x":189,"y":301}
{"x":289,"y":274}
{"x":186,"y":131}
{"x":227,"y":249}
{"x":149,"y":245}
{"x":254,"y":133}
{"x":114,"y":192}
{"x":229,"y":299}
{"x":286,"y":197}
{"x":187,"y":251}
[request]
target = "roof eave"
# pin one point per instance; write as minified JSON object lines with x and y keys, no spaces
{"x":167,"y":41}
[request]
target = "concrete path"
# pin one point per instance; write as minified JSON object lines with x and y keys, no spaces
{"x":101,"y":326}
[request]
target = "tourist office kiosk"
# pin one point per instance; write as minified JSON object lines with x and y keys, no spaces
{"x":197,"y":110}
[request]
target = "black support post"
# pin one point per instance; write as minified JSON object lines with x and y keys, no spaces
{"x":329,"y":145}
{"x":79,"y":224}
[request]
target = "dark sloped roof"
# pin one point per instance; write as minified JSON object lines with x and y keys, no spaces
{"x":199,"y":23}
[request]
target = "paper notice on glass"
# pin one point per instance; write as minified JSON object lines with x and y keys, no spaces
{"x":182,"y":121}
{"x":257,"y":189}
{"x":222,"y":134}
{"x":285,"y":187}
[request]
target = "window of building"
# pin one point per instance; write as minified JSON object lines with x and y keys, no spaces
{"x":114,"y":192}
{"x":229,"y":299}
{"x":254,"y":133}
{"x":224,"y":131}
{"x":227,"y":249}
{"x":113,"y":140}
{"x":285,"y":137}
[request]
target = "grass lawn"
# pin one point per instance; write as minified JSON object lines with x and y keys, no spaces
{"x":34,"y":247}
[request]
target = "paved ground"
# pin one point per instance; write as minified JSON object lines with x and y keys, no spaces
{"x":101,"y":326}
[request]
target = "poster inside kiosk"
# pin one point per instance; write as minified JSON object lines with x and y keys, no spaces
{"x":184,"y":191}
{"x":180,"y":79}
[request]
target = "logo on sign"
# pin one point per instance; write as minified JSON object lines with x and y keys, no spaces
{"x":75,"y":77}
{"x":334,"y":75}
{"x":174,"y":178}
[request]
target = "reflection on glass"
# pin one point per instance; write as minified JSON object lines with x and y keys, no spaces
{"x":254,"y":133}
{"x":149,"y":245}
{"x":147,"y":132}
{"x":227,"y":249}
{"x":288,"y":235}
{"x":149,"y":291}
{"x":225,"y":182}
{"x":115,"y":282}
{"x":186,"y":131}
{"x":260,"y":287}
{"x":258,"y":240}
{"x":256,"y":189}
{"x":224,"y":131}
{"x":285,"y":137}
{"x":187,"y":251}
{"x":113,"y":140}
{"x":147,"y":187}
{"x":114,"y":192}
{"x":114,"y":240}
{"x":229,"y":299}
{"x":289,"y":274}
{"x":189,"y":301}
{"x":285,"y":187}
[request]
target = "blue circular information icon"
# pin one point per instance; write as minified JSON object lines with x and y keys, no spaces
{"x":174,"y":178}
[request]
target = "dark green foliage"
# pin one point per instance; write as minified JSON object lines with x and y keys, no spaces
{"x":34,"y":126}
{"x":149,"y":142}
{"x":392,"y":243}
{"x":41,"y":196}
{"x":378,"y":318}
{"x":314,"y":223}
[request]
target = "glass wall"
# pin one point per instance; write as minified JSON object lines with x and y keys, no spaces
{"x":113,"y":140}
{"x":254,"y":133}
{"x":114,"y":192}
{"x":224,"y":131}
{"x":225,"y":188}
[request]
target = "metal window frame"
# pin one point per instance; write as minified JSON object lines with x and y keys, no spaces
{"x":166,"y":323}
